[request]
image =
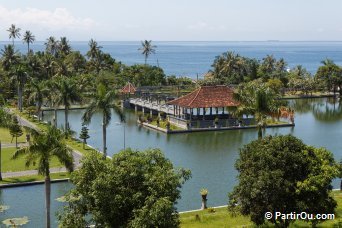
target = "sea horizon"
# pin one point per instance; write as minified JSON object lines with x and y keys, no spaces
{"x":194,"y":58}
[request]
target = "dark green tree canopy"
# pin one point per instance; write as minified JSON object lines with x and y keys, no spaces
{"x":282,"y":174}
{"x":134,"y":189}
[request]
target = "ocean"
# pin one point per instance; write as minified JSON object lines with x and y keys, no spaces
{"x":195,"y":58}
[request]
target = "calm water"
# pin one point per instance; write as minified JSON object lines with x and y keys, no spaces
{"x":192,"y":58}
{"x":209,"y":155}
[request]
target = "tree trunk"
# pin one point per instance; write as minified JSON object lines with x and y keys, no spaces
{"x":204,"y":202}
{"x":47,"y":199}
{"x":20,"y":94}
{"x":104,"y":134}
{"x":66,"y":119}
{"x":259,"y":132}
{"x":0,"y":163}
{"x":55,"y":117}
{"x":16,"y":142}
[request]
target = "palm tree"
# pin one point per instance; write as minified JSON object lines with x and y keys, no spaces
{"x":103,"y":101}
{"x":48,"y":62}
{"x":94,"y":49}
{"x":52,"y":98}
{"x":13,"y":32}
{"x":67,"y":94}
{"x":20,"y":77}
{"x":258,"y":100}
{"x":41,"y":150}
{"x":10,"y":57}
{"x":28,"y":38}
{"x":51,"y":46}
{"x":147,"y":49}
{"x":64,"y":47}
{"x":36,"y":94}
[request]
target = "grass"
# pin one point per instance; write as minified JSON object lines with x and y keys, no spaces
{"x":73,"y":143}
{"x":7,"y":138}
{"x":162,"y":124}
{"x":9,"y":165}
{"x":275,"y":122}
{"x":219,"y":218}
{"x":22,"y":179}
{"x":222,"y":218}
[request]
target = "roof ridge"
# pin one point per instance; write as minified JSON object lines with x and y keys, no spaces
{"x":199,"y":89}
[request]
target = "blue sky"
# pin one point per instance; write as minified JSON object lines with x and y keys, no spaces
{"x":179,"y":20}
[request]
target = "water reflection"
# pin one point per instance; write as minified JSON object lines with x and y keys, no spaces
{"x":324,"y":110}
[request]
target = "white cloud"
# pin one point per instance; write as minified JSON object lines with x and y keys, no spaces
{"x":58,"y":19}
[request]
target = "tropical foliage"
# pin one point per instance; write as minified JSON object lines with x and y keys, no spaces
{"x":134,"y":189}
{"x":43,"y":147}
{"x":282,"y":174}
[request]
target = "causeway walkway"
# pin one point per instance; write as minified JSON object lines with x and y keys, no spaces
{"x":152,"y":105}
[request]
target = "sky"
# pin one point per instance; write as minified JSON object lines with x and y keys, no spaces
{"x":175,"y":20}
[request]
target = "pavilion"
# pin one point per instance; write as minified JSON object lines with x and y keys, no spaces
{"x":204,"y":105}
{"x":128,"y":89}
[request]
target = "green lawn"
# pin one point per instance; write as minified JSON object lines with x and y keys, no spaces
{"x":6,"y":137}
{"x":222,"y":218}
{"x":12,"y":180}
{"x":162,"y":124}
{"x":9,"y":165}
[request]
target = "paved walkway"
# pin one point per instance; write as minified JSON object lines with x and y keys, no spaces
{"x":77,"y":164}
{"x":24,"y":122}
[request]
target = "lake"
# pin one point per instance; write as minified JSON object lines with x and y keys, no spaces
{"x":209,"y":155}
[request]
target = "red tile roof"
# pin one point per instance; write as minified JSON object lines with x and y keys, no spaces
{"x":128,"y":89}
{"x":206,"y":97}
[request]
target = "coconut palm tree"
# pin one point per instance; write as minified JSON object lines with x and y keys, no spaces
{"x":48,"y":64}
{"x":258,"y":100}
{"x":10,"y":57}
{"x":67,"y":93}
{"x":147,"y":49}
{"x":51,"y":45}
{"x":28,"y":38}
{"x":13,"y":33}
{"x":20,"y":77}
{"x":37,"y":90}
{"x":41,"y":150}
{"x":51,"y":98}
{"x":102,"y":101}
{"x":63,"y":46}
{"x":94,"y":49}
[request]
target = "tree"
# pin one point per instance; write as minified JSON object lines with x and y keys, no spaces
{"x":64,"y":47}
{"x":84,"y":135}
{"x":67,"y":93}
{"x":147,"y":49}
{"x":45,"y":146}
{"x":51,"y":46}
{"x":14,"y":32}
{"x":145,"y":187}
{"x":94,"y":49}
{"x":10,"y":57}
{"x":102,"y":101}
{"x":282,"y":174}
{"x":28,"y":38}
{"x":20,"y":77}
{"x":15,"y":130}
{"x":37,"y":90}
{"x":259,"y":100}
{"x":330,"y":75}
